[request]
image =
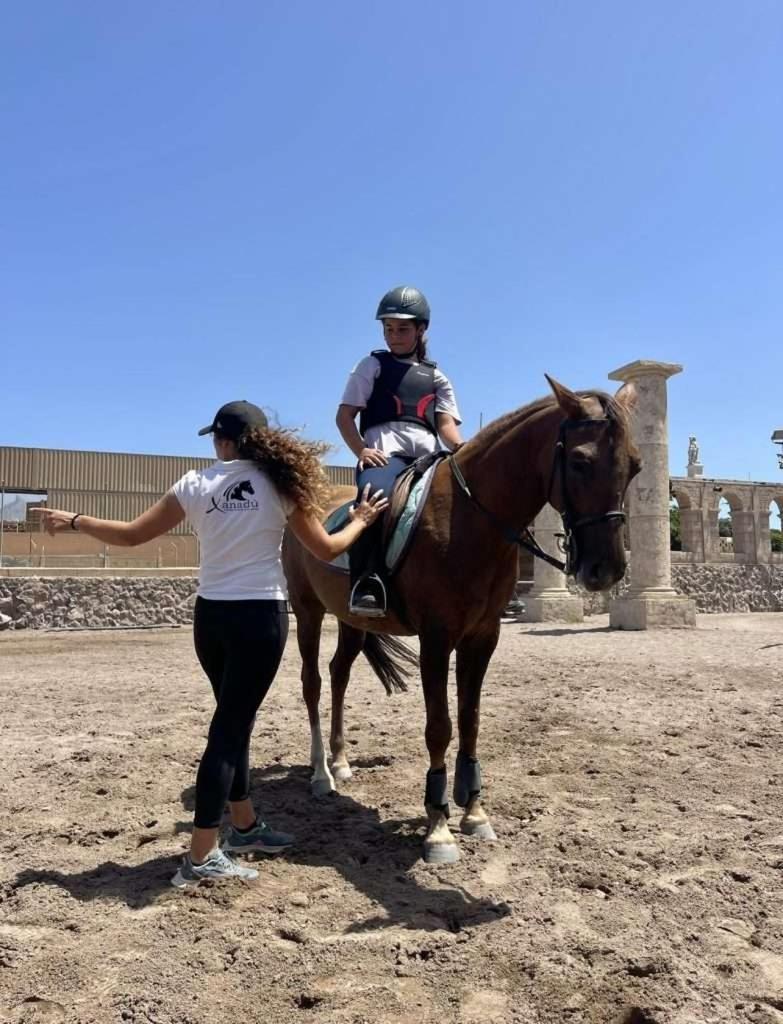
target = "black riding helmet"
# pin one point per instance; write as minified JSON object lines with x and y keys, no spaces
{"x":404,"y":303}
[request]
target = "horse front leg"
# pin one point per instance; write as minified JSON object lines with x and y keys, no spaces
{"x":308,"y":636}
{"x":440,"y":847}
{"x":473,"y":656}
{"x":349,"y":644}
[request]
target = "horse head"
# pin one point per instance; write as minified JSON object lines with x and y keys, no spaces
{"x":239,"y":492}
{"x":594,"y":461}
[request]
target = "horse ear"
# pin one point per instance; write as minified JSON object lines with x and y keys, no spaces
{"x":568,"y":400}
{"x":627,"y":396}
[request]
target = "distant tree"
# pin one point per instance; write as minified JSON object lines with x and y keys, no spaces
{"x":724,"y":527}
{"x":776,"y":539}
{"x":675,"y":536}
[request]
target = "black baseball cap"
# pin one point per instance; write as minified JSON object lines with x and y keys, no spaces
{"x":234,"y":418}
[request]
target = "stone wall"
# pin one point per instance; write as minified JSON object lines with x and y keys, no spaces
{"x":73,"y":603}
{"x":714,"y":588}
{"x":89,"y":603}
{"x":731,"y":588}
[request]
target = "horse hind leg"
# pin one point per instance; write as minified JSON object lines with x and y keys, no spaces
{"x":349,"y":645}
{"x":308,"y":635}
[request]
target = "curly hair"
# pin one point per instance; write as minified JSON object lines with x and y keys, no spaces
{"x":292,"y":463}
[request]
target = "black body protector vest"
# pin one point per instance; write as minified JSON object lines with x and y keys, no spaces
{"x":402,"y":391}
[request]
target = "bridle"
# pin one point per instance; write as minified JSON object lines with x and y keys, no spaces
{"x":567,"y":541}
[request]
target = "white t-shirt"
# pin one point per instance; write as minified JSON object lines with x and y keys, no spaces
{"x":239,"y":517}
{"x":398,"y":436}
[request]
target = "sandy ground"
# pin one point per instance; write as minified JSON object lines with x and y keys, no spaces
{"x":634,"y":781}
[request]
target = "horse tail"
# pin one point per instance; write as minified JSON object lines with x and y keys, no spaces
{"x":389,"y":658}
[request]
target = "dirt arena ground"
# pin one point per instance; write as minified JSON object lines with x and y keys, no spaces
{"x":634,"y":781}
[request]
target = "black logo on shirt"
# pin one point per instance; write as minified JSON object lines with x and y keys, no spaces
{"x":235,"y":498}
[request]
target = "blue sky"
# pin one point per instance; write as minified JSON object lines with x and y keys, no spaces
{"x":205,"y":201}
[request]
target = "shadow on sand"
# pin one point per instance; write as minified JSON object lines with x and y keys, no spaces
{"x":566,"y":631}
{"x":375,"y":857}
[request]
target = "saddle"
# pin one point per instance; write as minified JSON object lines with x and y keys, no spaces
{"x":401,"y":518}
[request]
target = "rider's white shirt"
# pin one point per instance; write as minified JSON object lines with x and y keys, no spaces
{"x":406,"y":438}
{"x":239,"y":518}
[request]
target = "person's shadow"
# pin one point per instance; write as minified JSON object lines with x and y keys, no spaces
{"x":373,"y":856}
{"x":136,"y":885}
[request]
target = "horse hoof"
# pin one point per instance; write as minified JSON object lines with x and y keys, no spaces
{"x":342,"y":773}
{"x":321,"y":787}
{"x":441,"y":853}
{"x":480,"y":830}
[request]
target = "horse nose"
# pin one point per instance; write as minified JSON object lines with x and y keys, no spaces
{"x":593,"y":576}
{"x":601,"y":575}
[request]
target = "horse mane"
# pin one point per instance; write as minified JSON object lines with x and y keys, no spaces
{"x":614,"y":411}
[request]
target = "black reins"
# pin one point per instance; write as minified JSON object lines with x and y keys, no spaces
{"x":567,"y":540}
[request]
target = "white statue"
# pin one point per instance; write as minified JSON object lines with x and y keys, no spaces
{"x":693,"y":451}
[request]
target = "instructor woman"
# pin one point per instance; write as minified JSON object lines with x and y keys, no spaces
{"x":263,"y":479}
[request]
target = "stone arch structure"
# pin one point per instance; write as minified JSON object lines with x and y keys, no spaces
{"x":682,"y":496}
{"x":699,"y":501}
{"x":775,"y":504}
{"x":690,"y":525}
{"x":766,"y":495}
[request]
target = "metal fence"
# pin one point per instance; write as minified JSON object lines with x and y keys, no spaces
{"x":94,"y":561}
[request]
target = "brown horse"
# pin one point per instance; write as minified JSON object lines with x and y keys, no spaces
{"x":573,"y":450}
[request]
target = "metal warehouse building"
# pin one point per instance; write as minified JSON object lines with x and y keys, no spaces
{"x":112,"y":485}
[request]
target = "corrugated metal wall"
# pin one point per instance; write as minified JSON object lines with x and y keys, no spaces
{"x":345,"y":475}
{"x":42,"y":469}
{"x":111,"y":485}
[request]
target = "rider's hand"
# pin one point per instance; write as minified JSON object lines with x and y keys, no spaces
{"x":368,"y":509}
{"x":372,"y":457}
{"x":53,"y":520}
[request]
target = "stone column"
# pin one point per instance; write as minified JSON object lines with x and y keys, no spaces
{"x":711,"y":535}
{"x":763,"y":540}
{"x":743,"y":528}
{"x":550,"y":599}
{"x":651,"y":600}
{"x":761,"y":502}
{"x":692,"y":531}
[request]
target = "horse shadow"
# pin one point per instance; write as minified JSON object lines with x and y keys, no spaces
{"x":375,"y":857}
{"x":568,"y":631}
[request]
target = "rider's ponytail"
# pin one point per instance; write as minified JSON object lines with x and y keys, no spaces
{"x":421,"y":345}
{"x":292,"y":463}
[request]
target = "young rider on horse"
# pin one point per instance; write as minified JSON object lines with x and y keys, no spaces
{"x":407,"y":409}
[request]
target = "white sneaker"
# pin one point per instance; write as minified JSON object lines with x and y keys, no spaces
{"x":217,"y":865}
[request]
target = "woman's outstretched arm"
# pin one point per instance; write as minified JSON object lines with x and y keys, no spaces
{"x":163,"y":516}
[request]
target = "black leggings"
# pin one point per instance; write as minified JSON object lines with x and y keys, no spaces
{"x":239,"y":645}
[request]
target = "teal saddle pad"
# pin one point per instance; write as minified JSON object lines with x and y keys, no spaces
{"x":399,"y":539}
